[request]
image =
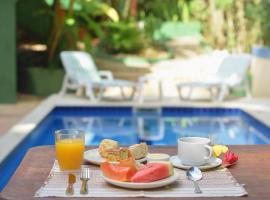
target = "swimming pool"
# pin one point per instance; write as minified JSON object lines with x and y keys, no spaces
{"x":154,"y":126}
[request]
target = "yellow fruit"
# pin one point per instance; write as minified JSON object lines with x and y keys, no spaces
{"x":219,"y":149}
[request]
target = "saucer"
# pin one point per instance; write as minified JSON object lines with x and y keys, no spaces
{"x":212,"y":163}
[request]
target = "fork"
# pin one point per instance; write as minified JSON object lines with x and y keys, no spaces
{"x":85,"y":176}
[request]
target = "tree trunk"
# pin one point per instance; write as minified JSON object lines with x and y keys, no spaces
{"x":241,"y":25}
{"x":126,"y":9}
{"x":134,"y":8}
{"x":216,"y":25}
{"x":58,"y":23}
{"x":230,"y":29}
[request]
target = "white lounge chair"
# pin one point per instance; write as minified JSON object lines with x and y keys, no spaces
{"x":81,"y":71}
{"x":231,"y":73}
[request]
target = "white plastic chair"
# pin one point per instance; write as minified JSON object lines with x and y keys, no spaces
{"x":231,"y":73}
{"x":81,"y":71}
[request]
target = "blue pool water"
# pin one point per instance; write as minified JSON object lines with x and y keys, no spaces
{"x":129,"y":126}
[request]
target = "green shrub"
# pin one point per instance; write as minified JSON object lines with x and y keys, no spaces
{"x":265,"y":17}
{"x":121,"y":37}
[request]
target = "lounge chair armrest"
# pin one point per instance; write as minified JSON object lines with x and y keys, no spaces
{"x":146,"y":78}
{"x":108,"y":75}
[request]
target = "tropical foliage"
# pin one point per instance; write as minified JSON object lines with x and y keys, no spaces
{"x":233,"y":24}
{"x":121,"y":37}
{"x":128,"y":26}
{"x":265,"y":21}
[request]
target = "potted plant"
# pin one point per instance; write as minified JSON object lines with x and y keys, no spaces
{"x":57,"y":25}
{"x":35,"y":74}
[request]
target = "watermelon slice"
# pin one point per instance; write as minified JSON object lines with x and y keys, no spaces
{"x":153,"y":171}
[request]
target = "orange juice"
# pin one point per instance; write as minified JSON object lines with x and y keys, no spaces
{"x":69,"y":153}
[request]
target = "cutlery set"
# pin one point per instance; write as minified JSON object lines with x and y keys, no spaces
{"x":85,"y":176}
{"x":194,"y":174}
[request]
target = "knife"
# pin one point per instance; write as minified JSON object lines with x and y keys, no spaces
{"x":71,"y":181}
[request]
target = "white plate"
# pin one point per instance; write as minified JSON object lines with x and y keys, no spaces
{"x":155,"y":184}
{"x":213,"y":162}
{"x":94,"y":157}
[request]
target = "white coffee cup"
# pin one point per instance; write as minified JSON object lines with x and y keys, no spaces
{"x":194,"y":151}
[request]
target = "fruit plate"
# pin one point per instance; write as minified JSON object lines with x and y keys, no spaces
{"x":154,"y":184}
{"x":94,"y":157}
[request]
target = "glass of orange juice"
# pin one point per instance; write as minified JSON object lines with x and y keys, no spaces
{"x":69,"y":146}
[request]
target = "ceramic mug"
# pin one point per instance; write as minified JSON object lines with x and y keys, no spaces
{"x":194,"y":151}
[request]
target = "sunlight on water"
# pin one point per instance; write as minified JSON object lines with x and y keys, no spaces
{"x":157,"y":130}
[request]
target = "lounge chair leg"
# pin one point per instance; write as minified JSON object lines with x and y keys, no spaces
{"x":212,"y":94}
{"x":160,"y":90}
{"x":122,"y":93}
{"x":133,"y":93}
{"x":247,"y":89}
{"x":100,"y":94}
{"x":64,"y":86}
{"x":79,"y":91}
{"x":90,"y":93}
{"x":222,"y":92}
{"x":179,"y":92}
{"x":190,"y":93}
{"x":140,"y":92}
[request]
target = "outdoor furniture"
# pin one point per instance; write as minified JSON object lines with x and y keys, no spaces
{"x":231,"y":73}
{"x":81,"y":71}
{"x":253,"y":170}
{"x":142,"y":81}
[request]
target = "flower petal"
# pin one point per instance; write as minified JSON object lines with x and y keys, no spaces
{"x":230,"y":158}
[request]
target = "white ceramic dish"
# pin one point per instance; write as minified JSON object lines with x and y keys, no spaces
{"x":155,"y":184}
{"x":213,"y":162}
{"x":152,"y":157}
{"x":94,"y":157}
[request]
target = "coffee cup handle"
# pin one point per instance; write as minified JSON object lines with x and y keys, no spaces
{"x":210,"y":150}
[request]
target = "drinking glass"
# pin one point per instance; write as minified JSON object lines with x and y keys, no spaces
{"x":69,"y":146}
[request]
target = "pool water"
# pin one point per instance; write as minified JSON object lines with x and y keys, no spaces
{"x":153,"y":126}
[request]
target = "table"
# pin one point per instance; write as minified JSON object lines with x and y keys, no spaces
{"x":253,"y":170}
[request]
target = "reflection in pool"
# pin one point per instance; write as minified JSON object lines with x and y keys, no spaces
{"x":158,"y":130}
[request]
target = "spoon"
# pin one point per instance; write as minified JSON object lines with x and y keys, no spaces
{"x":194,"y":174}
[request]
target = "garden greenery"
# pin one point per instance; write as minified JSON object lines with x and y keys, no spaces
{"x":128,"y":26}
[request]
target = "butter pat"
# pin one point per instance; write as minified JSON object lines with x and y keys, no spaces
{"x":157,"y":157}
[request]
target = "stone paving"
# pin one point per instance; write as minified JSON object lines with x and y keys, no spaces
{"x":10,"y":114}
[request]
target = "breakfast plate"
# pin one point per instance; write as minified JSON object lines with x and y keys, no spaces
{"x":94,"y":157}
{"x":154,"y":184}
{"x":213,"y":162}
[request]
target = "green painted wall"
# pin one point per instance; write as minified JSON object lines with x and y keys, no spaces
{"x":7,"y":51}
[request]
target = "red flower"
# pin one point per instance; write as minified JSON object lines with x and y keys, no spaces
{"x":229,"y":158}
